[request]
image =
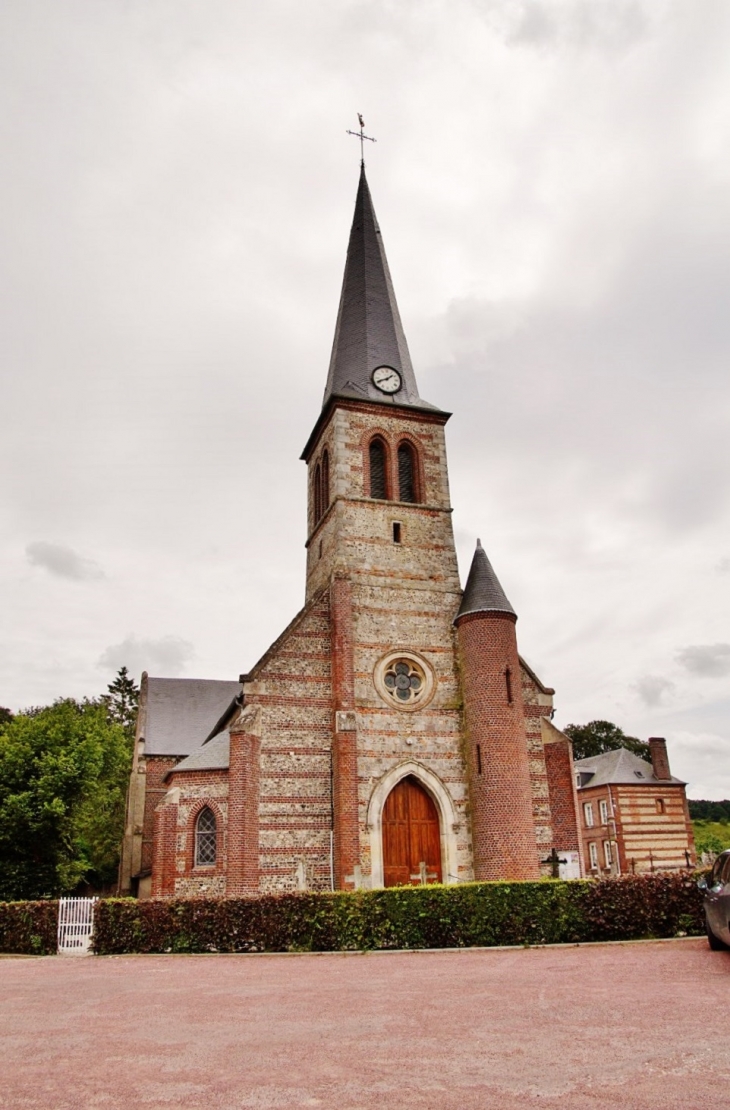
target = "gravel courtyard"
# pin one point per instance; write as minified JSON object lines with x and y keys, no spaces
{"x":631,"y":1026}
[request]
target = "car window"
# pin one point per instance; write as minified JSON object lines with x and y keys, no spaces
{"x":725,"y":872}
{"x":717,"y":869}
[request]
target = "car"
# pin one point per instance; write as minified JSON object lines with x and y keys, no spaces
{"x":716,"y":890}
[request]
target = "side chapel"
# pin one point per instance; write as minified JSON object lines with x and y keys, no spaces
{"x":392,"y":734}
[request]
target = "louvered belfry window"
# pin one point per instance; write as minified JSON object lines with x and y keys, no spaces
{"x":406,"y":473}
{"x":378,"y":484}
{"x":205,"y":838}
{"x":325,"y":482}
{"x":317,"y":493}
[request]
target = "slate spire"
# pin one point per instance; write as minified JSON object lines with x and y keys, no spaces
{"x":483,"y":592}
{"x":369,"y":333}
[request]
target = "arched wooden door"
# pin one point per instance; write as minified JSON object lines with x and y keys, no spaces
{"x":411,"y":836}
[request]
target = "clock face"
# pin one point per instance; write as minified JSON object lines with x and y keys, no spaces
{"x":386,"y":379}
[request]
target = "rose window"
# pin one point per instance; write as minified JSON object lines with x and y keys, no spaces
{"x":404,"y":681}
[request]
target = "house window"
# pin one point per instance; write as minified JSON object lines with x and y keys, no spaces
{"x":396,"y":531}
{"x":660,"y":808}
{"x":479,"y":759}
{"x":508,"y":685}
{"x":378,"y":472}
{"x":588,"y":814}
{"x":407,"y":473}
{"x":593,"y":853}
{"x":607,"y":855}
{"x":205,"y":838}
{"x":603,"y":806}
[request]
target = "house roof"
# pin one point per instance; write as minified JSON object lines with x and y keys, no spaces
{"x":619,"y":766}
{"x":213,"y":756}
{"x":181,"y":712}
{"x":369,"y":332}
{"x":483,"y":592}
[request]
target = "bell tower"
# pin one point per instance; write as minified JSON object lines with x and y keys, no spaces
{"x":380,"y":539}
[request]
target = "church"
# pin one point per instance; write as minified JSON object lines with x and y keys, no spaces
{"x":392,"y":734}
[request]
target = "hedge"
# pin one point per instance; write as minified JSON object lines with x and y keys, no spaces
{"x":463,"y":916}
{"x":29,"y":928}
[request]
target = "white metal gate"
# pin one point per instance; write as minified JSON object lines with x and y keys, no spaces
{"x":75,"y":926}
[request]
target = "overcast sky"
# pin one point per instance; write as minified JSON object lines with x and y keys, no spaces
{"x":552,"y":178}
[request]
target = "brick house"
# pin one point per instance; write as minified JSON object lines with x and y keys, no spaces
{"x":392,"y":733}
{"x":633,"y":814}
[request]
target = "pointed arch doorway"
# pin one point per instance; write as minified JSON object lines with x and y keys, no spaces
{"x":411,"y":836}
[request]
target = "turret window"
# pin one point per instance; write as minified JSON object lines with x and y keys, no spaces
{"x":205,"y":838}
{"x":378,"y":470}
{"x":317,"y":493}
{"x":407,"y":477}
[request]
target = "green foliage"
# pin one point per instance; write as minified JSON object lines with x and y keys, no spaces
{"x":5,"y":716}
{"x":602,"y":736}
{"x":63,"y":773}
{"x":122,"y":700}
{"x":467,"y":915}
{"x":700,"y":810}
{"x":711,"y":836}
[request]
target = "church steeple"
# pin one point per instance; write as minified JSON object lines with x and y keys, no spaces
{"x":369,"y":333}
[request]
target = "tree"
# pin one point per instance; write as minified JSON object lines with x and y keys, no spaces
{"x":122,"y":701}
{"x":603,"y":736}
{"x":63,"y":775}
{"x":5,"y":716}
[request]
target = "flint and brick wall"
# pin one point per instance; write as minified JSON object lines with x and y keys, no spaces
{"x":292,"y":685}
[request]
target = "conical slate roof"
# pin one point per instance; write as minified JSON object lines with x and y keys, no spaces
{"x":483,"y":593}
{"x":369,"y":332}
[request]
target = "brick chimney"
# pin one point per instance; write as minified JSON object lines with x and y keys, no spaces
{"x":659,"y":758}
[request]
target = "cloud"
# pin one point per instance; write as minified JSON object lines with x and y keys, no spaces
{"x":608,"y":25}
{"x":62,"y":561}
{"x":167,"y":656}
{"x":652,"y":688}
{"x":708,"y":660}
{"x":723,"y":567}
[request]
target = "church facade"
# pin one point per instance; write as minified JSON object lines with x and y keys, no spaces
{"x":392,"y":734}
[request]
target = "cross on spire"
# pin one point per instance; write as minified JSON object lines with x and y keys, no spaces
{"x":362,"y":136}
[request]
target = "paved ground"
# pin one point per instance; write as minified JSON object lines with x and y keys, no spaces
{"x":632,"y":1026}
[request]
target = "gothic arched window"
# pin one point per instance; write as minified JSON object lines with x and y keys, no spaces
{"x":317,"y":493}
{"x":407,"y":473}
{"x":378,"y":470}
{"x":205,"y":838}
{"x":325,"y":482}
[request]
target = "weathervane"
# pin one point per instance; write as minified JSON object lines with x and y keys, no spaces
{"x":362,"y":136}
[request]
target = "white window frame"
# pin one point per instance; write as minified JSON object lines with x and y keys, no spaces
{"x":588,"y":814}
{"x":603,"y":809}
{"x":608,"y":853}
{"x":593,"y":853}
